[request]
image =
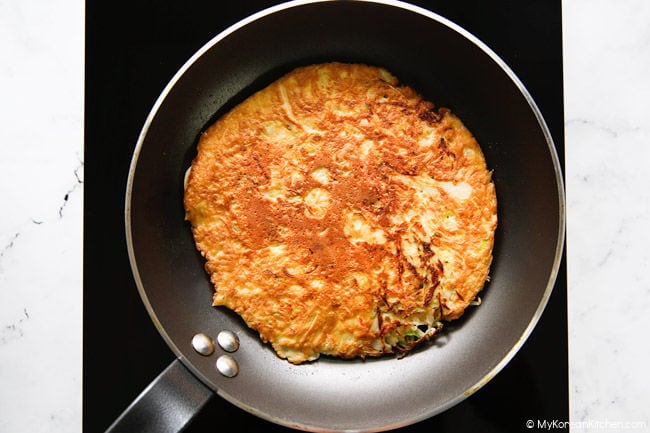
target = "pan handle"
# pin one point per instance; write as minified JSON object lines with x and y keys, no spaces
{"x":168,"y":404}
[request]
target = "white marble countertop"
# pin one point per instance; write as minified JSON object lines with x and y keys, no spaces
{"x":607,"y":130}
{"x":607,"y":123}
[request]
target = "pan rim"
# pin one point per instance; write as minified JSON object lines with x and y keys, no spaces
{"x":559,"y":248}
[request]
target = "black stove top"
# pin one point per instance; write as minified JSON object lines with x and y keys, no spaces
{"x":132,"y":50}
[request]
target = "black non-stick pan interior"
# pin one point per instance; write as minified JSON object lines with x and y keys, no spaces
{"x":449,"y":67}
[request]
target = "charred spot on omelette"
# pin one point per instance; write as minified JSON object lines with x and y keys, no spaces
{"x":340,"y":213}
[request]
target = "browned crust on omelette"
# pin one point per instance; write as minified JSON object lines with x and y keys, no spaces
{"x":340,"y":213}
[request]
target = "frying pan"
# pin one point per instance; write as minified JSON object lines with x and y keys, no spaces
{"x":448,"y":66}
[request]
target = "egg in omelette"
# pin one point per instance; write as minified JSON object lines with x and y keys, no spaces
{"x":341,"y":214}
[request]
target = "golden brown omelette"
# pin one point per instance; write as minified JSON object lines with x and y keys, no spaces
{"x":339,"y":213}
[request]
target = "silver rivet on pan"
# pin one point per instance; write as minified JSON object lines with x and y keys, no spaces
{"x":203,"y":344}
{"x":228,"y":341}
{"x":227,"y":366}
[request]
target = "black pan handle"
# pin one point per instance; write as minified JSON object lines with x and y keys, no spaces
{"x":167,"y":405}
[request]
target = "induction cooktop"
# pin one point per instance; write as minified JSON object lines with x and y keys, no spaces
{"x":133,"y":48}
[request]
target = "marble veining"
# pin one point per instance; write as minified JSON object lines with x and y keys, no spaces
{"x":607,"y":131}
{"x":8,"y":246}
{"x":41,"y":228}
{"x":78,"y":174}
{"x":14,"y":328}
